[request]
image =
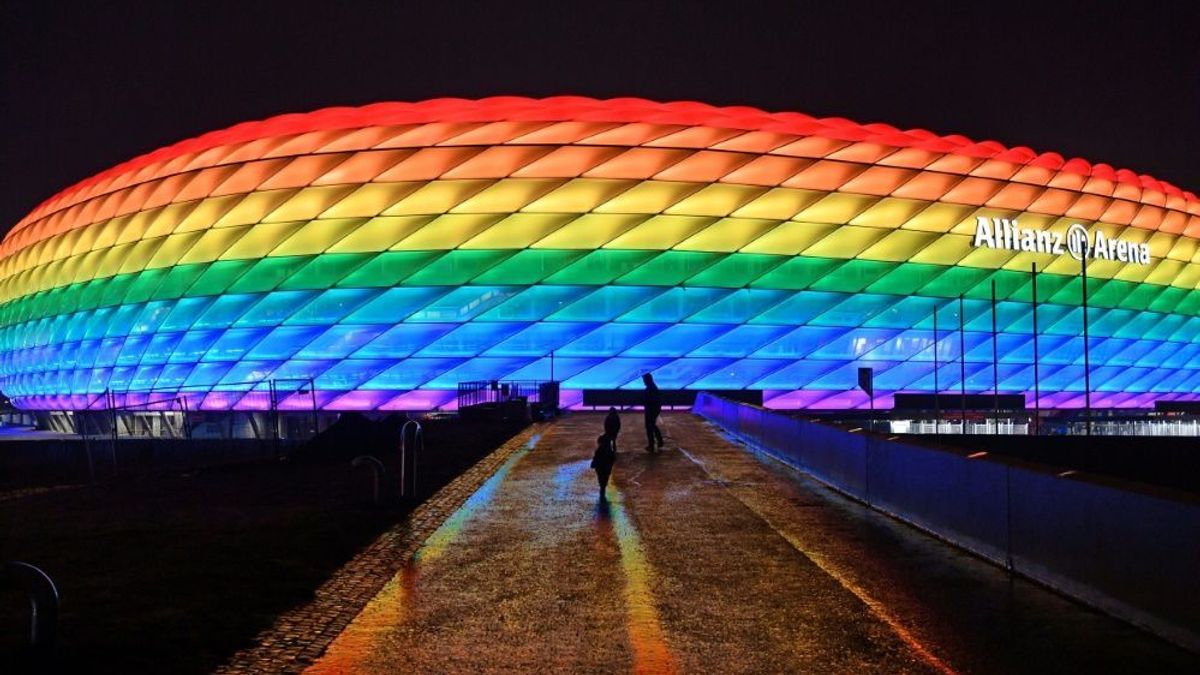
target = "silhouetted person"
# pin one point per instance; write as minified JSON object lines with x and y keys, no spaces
{"x":652,"y":404}
{"x":612,"y":426}
{"x":602,"y":461}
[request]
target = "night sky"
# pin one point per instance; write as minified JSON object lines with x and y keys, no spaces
{"x":84,"y":88}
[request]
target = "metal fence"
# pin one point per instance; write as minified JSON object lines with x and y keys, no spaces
{"x":1186,"y":426}
{"x":269,"y":410}
{"x":542,"y":393}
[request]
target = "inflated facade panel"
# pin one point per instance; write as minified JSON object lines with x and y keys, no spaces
{"x":387,"y":253}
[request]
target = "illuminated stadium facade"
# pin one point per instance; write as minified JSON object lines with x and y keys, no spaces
{"x":389,"y":252}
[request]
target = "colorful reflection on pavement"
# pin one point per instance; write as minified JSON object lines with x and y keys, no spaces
{"x":350,"y":651}
{"x":650,"y":651}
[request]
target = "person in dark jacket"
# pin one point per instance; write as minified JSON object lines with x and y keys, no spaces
{"x":602,"y":461}
{"x":652,"y":404}
{"x":612,"y":426}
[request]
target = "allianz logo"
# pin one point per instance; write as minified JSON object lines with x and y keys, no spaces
{"x":1008,"y":235}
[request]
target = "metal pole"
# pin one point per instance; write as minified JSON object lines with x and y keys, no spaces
{"x":937,"y":405}
{"x":273,"y":414}
{"x":312,"y":388}
{"x":995,"y":363}
{"x":962,"y":357}
{"x":1087,"y":366}
{"x":110,"y":400}
{"x":1037,"y":393}
{"x":872,"y":399}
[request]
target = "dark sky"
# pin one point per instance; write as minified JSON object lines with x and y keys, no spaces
{"x":86,"y":87}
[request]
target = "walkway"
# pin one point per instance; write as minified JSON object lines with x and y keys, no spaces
{"x":707,"y":560}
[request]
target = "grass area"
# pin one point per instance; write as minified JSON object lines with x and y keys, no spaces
{"x":173,"y":572}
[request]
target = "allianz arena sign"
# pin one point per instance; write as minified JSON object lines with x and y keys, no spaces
{"x":1008,"y":235}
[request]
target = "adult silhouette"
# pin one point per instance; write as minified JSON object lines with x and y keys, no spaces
{"x":652,"y":405}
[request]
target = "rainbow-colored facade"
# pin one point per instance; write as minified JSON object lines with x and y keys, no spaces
{"x":389,"y":252}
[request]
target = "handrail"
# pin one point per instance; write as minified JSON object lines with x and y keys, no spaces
{"x":43,"y":601}
{"x":418,"y":444}
{"x":377,"y":471}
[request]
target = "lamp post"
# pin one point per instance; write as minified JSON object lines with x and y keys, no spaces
{"x":1087,"y":365}
{"x":937,"y":405}
{"x":1037,"y":394}
{"x":995,"y":364}
{"x":962,"y":358}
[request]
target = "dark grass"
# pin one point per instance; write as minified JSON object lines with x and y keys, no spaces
{"x":175,"y":571}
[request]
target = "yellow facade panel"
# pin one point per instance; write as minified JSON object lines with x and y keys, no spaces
{"x":137,"y":224}
{"x":238,"y":209}
{"x":518,"y":230}
{"x":719,"y":199}
{"x":1189,"y":278}
{"x":437,"y":197}
{"x":104,"y":263}
{"x":579,"y":196}
{"x":591,"y":230}
{"x":109,"y":231}
{"x":317,"y":236}
{"x":138,"y":256}
{"x":845,"y":242}
{"x":379,"y":234}
{"x":507,"y":196}
{"x":836,"y":208}
{"x":660,"y":232}
{"x":789,"y":238}
{"x":890,"y":212}
{"x":648,"y":197}
{"x":168,"y":219}
{"x":898,"y":245}
{"x":370,"y":200}
{"x":947,"y":249}
{"x":212,"y":244}
{"x":309,"y":203}
{"x":779,"y":204}
{"x":201,"y":215}
{"x":259,"y":240}
{"x":172,"y":249}
{"x":446,"y":232}
{"x":727,"y":235}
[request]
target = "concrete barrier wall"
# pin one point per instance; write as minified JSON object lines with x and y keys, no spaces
{"x":1129,"y":551}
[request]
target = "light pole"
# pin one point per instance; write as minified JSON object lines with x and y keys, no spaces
{"x":937,"y":405}
{"x":962,"y":358}
{"x":1087,"y":364}
{"x":995,"y":364}
{"x":1037,"y":394}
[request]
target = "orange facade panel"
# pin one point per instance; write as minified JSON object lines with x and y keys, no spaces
{"x":363,"y":167}
{"x":427,"y":164}
{"x":705,"y":166}
{"x":567,"y":161}
{"x":824,"y":175}
{"x":767,"y":170}
{"x":927,"y":185}
{"x":640,"y":163}
{"x":879,"y":180}
{"x":498,"y":161}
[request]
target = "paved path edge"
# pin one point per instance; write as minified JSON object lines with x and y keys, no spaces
{"x":301,"y":635}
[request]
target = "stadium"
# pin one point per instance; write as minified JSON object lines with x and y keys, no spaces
{"x":385,"y":254}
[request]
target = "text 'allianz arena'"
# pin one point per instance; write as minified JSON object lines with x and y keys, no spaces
{"x":389,"y":252}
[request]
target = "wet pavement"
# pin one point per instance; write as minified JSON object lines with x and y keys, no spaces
{"x":707,"y":559}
